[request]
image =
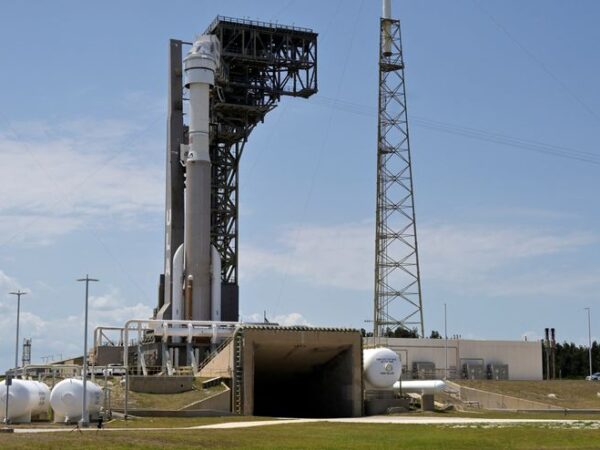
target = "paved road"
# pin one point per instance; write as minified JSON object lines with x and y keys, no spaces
{"x":400,"y":420}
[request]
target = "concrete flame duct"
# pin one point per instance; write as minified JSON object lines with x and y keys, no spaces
{"x":293,"y":371}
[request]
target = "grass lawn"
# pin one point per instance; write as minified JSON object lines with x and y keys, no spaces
{"x":138,"y":400}
{"x":170,"y":422}
{"x":320,"y":436}
{"x":569,"y":393}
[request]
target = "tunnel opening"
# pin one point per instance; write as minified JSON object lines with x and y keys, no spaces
{"x":296,"y":371}
{"x":303,"y":381}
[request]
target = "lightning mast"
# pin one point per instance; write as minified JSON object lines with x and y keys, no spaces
{"x":398,"y":302}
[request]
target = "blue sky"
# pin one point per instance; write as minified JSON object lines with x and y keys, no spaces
{"x":508,"y":230}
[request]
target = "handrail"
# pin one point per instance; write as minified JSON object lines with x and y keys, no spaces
{"x":256,"y":23}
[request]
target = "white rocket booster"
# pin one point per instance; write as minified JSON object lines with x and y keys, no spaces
{"x":198,"y":271}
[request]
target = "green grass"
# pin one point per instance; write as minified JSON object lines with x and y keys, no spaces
{"x":320,"y":436}
{"x":138,"y":400}
{"x":485,"y":414}
{"x":569,"y":393}
{"x":175,"y":422}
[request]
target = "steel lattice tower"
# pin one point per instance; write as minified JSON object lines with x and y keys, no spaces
{"x":398,"y":302}
{"x":261,"y":62}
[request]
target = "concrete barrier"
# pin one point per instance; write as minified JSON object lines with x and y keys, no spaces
{"x":161,"y":384}
{"x":217,"y":402}
{"x":493,"y":400}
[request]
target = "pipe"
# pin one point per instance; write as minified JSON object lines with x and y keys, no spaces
{"x":387,"y":9}
{"x":189,"y":301}
{"x":98,"y":332}
{"x":172,"y":330}
{"x":386,"y":24}
{"x":177,"y":302}
{"x":423,"y":387}
{"x":177,"y":277}
{"x":215,"y":285}
{"x":164,"y":325}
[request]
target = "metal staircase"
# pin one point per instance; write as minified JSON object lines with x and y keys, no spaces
{"x":238,"y":373}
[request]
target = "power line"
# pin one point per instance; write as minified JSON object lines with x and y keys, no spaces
{"x":319,"y":155}
{"x":469,"y":132}
{"x":63,"y":198}
{"x":537,"y":61}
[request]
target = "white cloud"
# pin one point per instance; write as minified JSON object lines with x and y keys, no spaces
{"x":464,"y":252}
{"x":461,"y":257}
{"x":63,"y":335}
{"x":286,"y":320}
{"x":57,"y":177}
{"x":7,"y":283}
{"x":340,"y":256}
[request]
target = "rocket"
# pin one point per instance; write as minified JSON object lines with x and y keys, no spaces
{"x":196,"y":263}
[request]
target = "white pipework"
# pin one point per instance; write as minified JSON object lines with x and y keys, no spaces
{"x":423,"y":387}
{"x":215,"y":285}
{"x":26,"y":399}
{"x":182,"y":328}
{"x":177,"y":305}
{"x":381,"y":367}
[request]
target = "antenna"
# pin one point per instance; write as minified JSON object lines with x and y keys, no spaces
{"x":397,"y":301}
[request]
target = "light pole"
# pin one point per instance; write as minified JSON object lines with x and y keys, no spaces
{"x":18,"y":294}
{"x":589,"y":313}
{"x":85,"y":419}
{"x":446,"y":341}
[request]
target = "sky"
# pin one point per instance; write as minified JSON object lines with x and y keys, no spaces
{"x":503,"y":108}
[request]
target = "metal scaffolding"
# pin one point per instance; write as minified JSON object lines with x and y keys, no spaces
{"x":261,"y":62}
{"x":26,"y":358}
{"x":398,"y":302}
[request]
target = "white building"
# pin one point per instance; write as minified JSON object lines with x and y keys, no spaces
{"x":463,"y":358}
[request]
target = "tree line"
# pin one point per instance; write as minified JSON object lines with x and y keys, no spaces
{"x":572,"y":360}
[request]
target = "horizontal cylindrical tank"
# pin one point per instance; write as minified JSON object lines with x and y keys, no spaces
{"x":381,"y":367}
{"x":41,"y":398}
{"x":420,"y":386}
{"x":25,"y":399}
{"x":66,"y":400}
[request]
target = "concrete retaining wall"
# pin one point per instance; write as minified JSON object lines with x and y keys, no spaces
{"x":492,"y":400}
{"x":218,"y":402}
{"x":161,"y":384}
{"x":221,"y":365}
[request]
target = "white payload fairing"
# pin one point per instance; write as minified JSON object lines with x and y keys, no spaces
{"x":196,"y":263}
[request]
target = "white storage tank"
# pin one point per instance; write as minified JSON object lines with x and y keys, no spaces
{"x":41,"y":400}
{"x":66,"y":400}
{"x":381,"y":367}
{"x":26,"y":400}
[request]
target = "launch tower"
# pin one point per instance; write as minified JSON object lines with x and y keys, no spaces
{"x":257,"y":64}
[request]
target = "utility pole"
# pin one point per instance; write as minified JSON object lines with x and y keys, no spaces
{"x":19,"y":293}
{"x":397,"y":297}
{"x":547,"y":351}
{"x":589,"y":314}
{"x":446,"y":341}
{"x":85,"y":419}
